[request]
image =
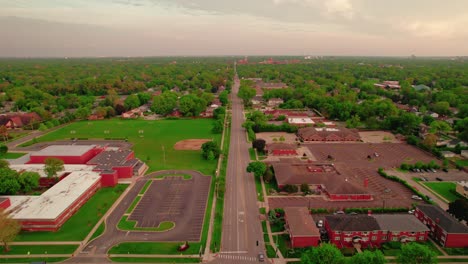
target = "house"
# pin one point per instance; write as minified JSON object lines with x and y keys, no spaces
{"x":444,"y":228}
{"x":372,"y":230}
{"x":464,"y":154}
{"x":388,"y":85}
{"x":258,"y":99}
{"x":447,"y":154}
{"x":19,"y":120}
{"x":275,"y":102}
{"x":328,"y":134}
{"x":462,"y":188}
{"x":301,"y":227}
{"x":453,"y":143}
{"x":321,"y":178}
{"x":134,"y":113}
{"x":433,"y":114}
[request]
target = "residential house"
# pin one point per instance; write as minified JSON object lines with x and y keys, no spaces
{"x":275,"y":102}
{"x":19,"y":120}
{"x":444,"y":228}
{"x":447,"y":154}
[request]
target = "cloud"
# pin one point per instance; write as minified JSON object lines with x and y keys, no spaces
{"x":342,"y":8}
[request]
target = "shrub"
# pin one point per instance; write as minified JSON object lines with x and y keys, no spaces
{"x":290,"y":188}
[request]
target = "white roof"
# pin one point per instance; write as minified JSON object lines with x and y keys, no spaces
{"x":52,"y":203}
{"x":326,"y":129}
{"x":300,"y":120}
{"x":63,"y":150}
{"x":39,"y":168}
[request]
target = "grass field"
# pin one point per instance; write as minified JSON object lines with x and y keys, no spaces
{"x":252,"y":154}
{"x":99,"y":231}
{"x":39,"y":249}
{"x":445,"y":189}
{"x":31,"y":260}
{"x":153,"y":248}
{"x":81,"y":223}
{"x":128,"y":225}
{"x":156,"y":260}
{"x":155,"y":145}
{"x":12,"y":155}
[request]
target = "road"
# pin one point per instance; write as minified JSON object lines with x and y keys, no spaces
{"x":241,"y":225}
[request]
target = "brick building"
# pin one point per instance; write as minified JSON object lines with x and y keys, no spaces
{"x":301,"y":227}
{"x":328,"y":134}
{"x":444,"y":228}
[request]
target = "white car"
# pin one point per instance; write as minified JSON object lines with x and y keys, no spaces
{"x":415,"y":197}
{"x":411,"y":211}
{"x":320,"y":223}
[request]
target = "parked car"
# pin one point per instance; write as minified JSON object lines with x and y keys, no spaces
{"x":415,"y":197}
{"x":353,"y":213}
{"x":339,"y":212}
{"x":422,"y":179}
{"x":411,"y":211}
{"x":439,"y":179}
{"x":433,"y":171}
{"x":261,"y":257}
{"x":320,"y":223}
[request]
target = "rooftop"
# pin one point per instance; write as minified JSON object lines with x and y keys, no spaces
{"x":52,"y":203}
{"x":447,"y":222}
{"x":300,"y":120}
{"x":352,"y":222}
{"x":109,"y":159}
{"x":400,"y":222}
{"x":300,"y":222}
{"x":63,"y":150}
{"x":39,"y":168}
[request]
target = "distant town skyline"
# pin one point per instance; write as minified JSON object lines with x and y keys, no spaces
{"x":83,"y":28}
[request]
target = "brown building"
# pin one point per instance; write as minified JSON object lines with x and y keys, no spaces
{"x":328,"y":134}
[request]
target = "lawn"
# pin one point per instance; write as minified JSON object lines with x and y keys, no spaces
{"x":81,"y":223}
{"x":154,"y":248}
{"x":258,"y":188}
{"x":252,"y":154}
{"x":39,"y":249}
{"x":99,"y":231}
{"x":270,"y":251}
{"x":156,"y":260}
{"x":12,"y":155}
{"x":445,"y":189}
{"x":456,"y":251}
{"x":31,"y":260}
{"x":145,"y":187}
{"x":287,"y":252}
{"x":153,"y":140}
{"x":134,"y":203}
{"x":126,"y":225}
{"x":462,"y":163}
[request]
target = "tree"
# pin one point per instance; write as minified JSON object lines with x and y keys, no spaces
{"x":132,"y":101}
{"x":165,"y":103}
{"x":4,"y":133}
{"x":414,"y":253}
{"x":9,"y":182}
{"x":219,"y":112}
{"x":268,"y":176}
{"x":144,"y":98}
{"x":4,"y":164}
{"x":217,"y":127}
{"x":369,"y":257}
{"x":325,"y":253}
{"x":28,"y":181}
{"x":289,"y":188}
{"x":3,"y":150}
{"x":223,"y":97}
{"x":462,"y":127}
{"x":82,"y":112}
{"x":305,"y":188}
{"x":430,"y":141}
{"x":459,"y":209}
{"x":53,"y":166}
{"x":439,"y":126}
{"x":246,"y":94}
{"x":258,"y":168}
{"x":442,"y":108}
{"x":210,"y":147}
{"x":9,"y":228}
{"x":259,"y":144}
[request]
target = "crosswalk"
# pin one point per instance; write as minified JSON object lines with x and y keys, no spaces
{"x":236,"y":257}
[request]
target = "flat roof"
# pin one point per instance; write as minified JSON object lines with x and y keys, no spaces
{"x":63,"y":150}
{"x":300,"y":120}
{"x":352,"y":223}
{"x":52,"y":203}
{"x":108,"y":159}
{"x":39,"y":168}
{"x":446,"y":221}
{"x":300,"y":222}
{"x":400,"y":222}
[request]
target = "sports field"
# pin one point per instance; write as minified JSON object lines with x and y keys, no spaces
{"x":153,"y":140}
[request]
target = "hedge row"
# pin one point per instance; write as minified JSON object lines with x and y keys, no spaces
{"x":405,"y":183}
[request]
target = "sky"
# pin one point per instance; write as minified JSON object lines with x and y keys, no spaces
{"x":85,"y":28}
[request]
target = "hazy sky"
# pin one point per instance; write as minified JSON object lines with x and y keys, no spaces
{"x":233,"y":27}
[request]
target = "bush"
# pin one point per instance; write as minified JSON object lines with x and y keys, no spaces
{"x":305,"y":188}
{"x":3,"y":149}
{"x":290,"y":188}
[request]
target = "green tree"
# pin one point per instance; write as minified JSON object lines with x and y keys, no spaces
{"x":9,"y":229}
{"x":223,"y":97}
{"x":82,"y":112}
{"x":325,"y":253}
{"x":442,"y":108}
{"x":217,"y":127}
{"x":4,"y":164}
{"x":9,"y":182}
{"x":28,"y":181}
{"x":165,"y":103}
{"x":439,"y":126}
{"x":210,"y":147}
{"x":3,"y":149}
{"x":246,"y":94}
{"x":305,"y":188}
{"x":414,"y":253}
{"x":53,"y":166}
{"x":368,"y":257}
{"x":268,"y":176}
{"x":258,"y":168}
{"x":132,"y":101}
{"x":144,"y":98}
{"x":259,"y":144}
{"x":462,"y":127}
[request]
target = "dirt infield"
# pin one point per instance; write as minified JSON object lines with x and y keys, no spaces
{"x":190,"y":144}
{"x":378,"y":137}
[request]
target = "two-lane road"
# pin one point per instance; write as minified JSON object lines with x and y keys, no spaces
{"x":241,"y":225}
